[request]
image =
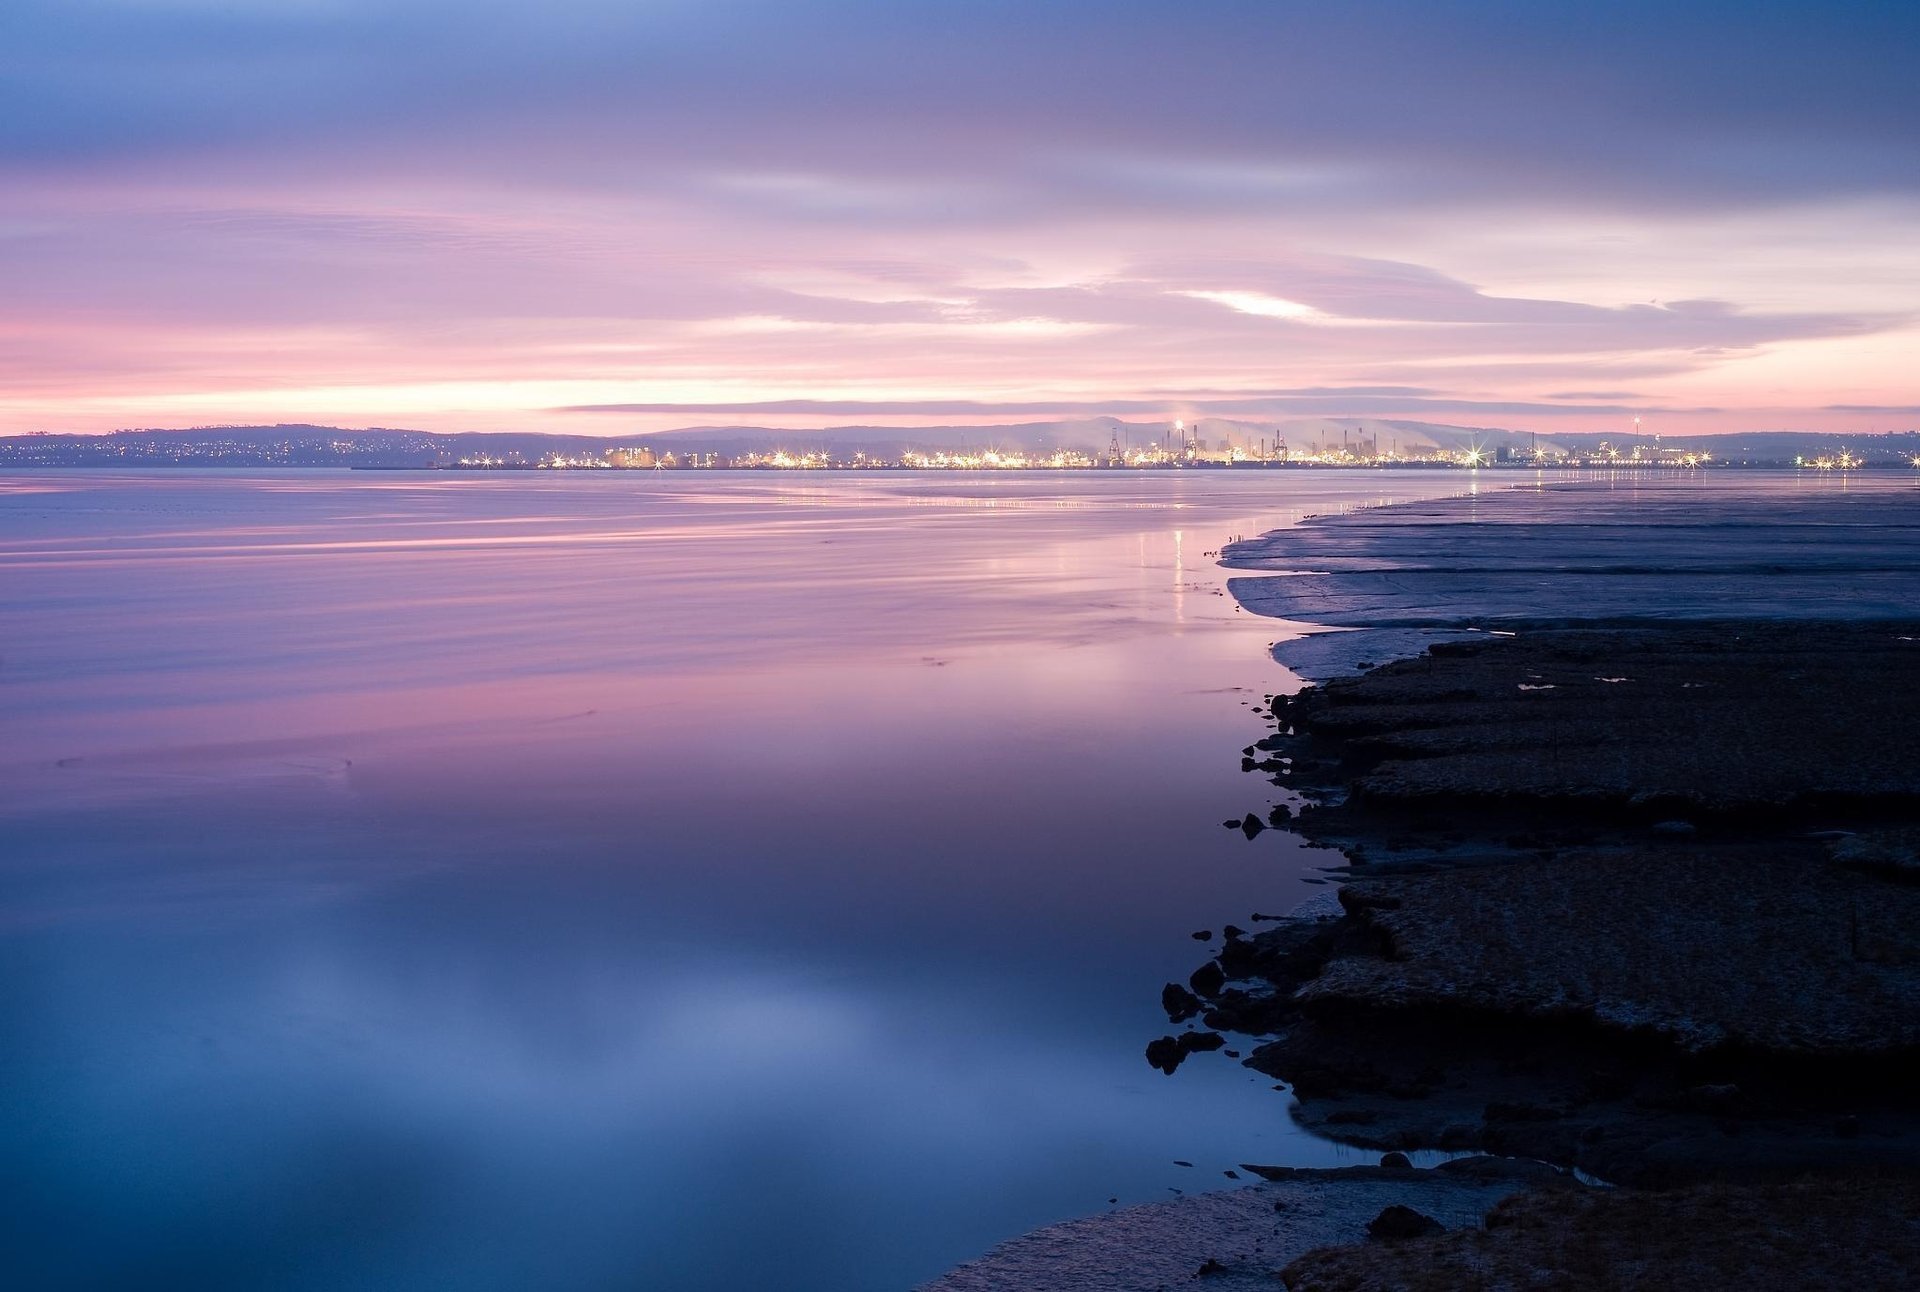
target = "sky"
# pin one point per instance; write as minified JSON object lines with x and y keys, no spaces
{"x":610,"y":216}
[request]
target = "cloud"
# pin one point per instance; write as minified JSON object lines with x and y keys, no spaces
{"x":925,"y":113}
{"x":1277,"y":405}
{"x":206,"y":202}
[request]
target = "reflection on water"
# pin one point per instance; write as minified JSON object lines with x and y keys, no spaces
{"x":670,"y":881}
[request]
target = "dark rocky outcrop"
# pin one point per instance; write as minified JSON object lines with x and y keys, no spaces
{"x":1523,"y":963}
{"x":1399,"y":1222}
{"x":1169,"y":1052}
{"x":1862,"y":1234}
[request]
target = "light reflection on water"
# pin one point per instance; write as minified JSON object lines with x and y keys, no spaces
{"x":640,"y":880}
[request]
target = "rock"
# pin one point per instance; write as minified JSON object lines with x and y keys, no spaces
{"x":1179,"y":1003}
{"x":1398,"y":1222}
{"x":1165,"y":1054}
{"x":1208,"y":979}
{"x":1169,"y":1052}
{"x":1252,"y":825}
{"x":1233,"y":931}
{"x":1809,"y":1233}
{"x":1279,"y":815}
{"x":1396,"y":1160}
{"x":1204,"y":935}
{"x":1210,"y":1269}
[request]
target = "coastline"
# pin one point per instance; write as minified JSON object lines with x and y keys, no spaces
{"x":1629,"y":960}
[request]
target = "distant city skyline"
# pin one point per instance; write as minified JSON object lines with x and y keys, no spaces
{"x":602,"y":218}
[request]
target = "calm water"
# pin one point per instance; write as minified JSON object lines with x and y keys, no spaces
{"x":628,"y":881}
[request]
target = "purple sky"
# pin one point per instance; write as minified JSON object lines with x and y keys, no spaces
{"x":586,"y":215}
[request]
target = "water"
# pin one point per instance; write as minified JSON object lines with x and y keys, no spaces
{"x":617,"y":881}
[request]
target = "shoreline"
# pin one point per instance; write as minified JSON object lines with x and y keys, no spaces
{"x":1630,"y":962}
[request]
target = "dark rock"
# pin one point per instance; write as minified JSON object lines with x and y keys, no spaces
{"x":1178,"y":1162}
{"x":1179,"y":1003}
{"x":1278,"y":816}
{"x":1210,"y":1269}
{"x":1252,"y":825}
{"x":1482,"y":1167}
{"x":1169,"y":1052}
{"x":1203,"y":935}
{"x":1398,"y":1222}
{"x":1208,"y":979}
{"x":1398,"y":1160}
{"x":1165,"y":1054}
{"x":1233,"y":931}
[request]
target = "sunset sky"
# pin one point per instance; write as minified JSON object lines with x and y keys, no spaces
{"x":615,"y":215}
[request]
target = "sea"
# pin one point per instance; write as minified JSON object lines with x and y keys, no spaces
{"x":621,"y":880}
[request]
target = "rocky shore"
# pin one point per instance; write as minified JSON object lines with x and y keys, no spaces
{"x":1636,"y":902}
{"x":1858,"y":1233}
{"x":1631,"y":880}
{"x":1629,"y":904}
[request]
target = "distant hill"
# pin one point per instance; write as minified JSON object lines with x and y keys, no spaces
{"x":328,"y":446}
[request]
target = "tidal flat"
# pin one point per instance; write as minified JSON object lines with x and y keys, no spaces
{"x":1629,"y":883}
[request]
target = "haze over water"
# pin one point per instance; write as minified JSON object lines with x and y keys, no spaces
{"x":592,"y":881}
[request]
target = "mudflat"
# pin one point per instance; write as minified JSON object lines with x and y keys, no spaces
{"x":1654,"y":915}
{"x":1631,"y":880}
